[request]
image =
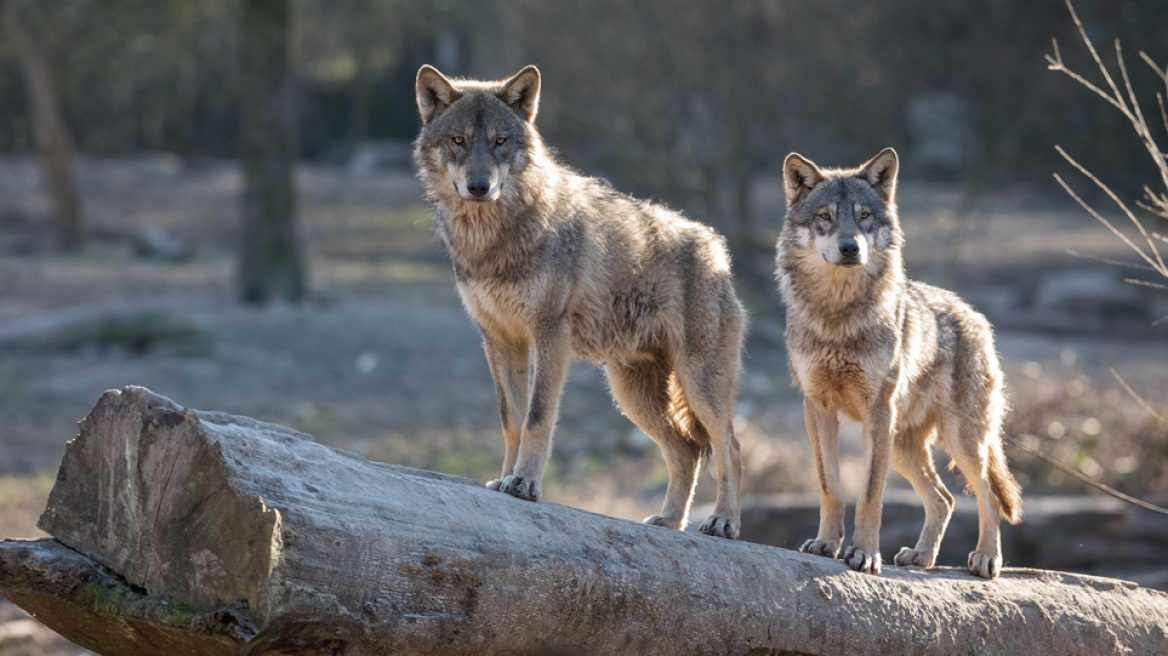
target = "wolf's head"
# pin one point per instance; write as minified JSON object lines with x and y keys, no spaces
{"x":844,"y":216}
{"x":475,"y":134}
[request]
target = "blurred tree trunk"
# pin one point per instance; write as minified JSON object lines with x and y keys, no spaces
{"x":361,"y":32}
{"x":271,"y":263}
{"x":52,"y":136}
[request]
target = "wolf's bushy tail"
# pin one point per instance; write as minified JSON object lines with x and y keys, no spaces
{"x":1005,"y":488}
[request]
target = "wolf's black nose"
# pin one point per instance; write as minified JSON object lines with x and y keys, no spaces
{"x":478,"y":186}
{"x":849,"y":248}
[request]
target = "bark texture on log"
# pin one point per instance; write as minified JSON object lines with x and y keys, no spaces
{"x":267,"y":542}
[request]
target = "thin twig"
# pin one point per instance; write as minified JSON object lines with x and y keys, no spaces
{"x":1115,"y":97}
{"x":1138,"y":399}
{"x":1106,"y":260}
{"x":1160,"y":72}
{"x":1056,"y":64}
{"x":1087,"y":479}
{"x":1163,"y":112}
{"x":1145,"y":283}
{"x":1139,"y":123}
{"x":1159,"y":202}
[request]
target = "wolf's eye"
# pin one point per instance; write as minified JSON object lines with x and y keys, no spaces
{"x":458,"y":140}
{"x":825,"y":215}
{"x":500,"y":140}
{"x":865,"y":214}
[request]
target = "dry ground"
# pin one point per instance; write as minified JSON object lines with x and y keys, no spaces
{"x":384,"y":361}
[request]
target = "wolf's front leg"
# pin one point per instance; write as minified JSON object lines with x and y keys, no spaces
{"x":864,"y":554}
{"x":823,"y":431}
{"x":509,"y":361}
{"x":552,"y":357}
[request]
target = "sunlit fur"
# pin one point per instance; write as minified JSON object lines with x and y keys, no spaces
{"x":911,"y":362}
{"x":554,"y":265}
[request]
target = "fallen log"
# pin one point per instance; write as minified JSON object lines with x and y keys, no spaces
{"x":135,"y":328}
{"x":1096,"y":535}
{"x":187,"y":532}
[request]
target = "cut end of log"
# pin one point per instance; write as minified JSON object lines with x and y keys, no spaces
{"x":146,"y":492}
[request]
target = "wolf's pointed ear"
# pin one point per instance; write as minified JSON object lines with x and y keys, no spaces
{"x":800,"y":176}
{"x":521,"y":93}
{"x":435,"y":93}
{"x":880,"y":172}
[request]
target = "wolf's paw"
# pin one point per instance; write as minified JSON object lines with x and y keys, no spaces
{"x":721,"y":527}
{"x":518,"y":486}
{"x":915,"y":558}
{"x":829,"y":548}
{"x":661,"y":520}
{"x":985,"y":565}
{"x":862,"y":560}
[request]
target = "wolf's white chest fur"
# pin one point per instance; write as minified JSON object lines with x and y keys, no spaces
{"x":839,"y":378}
{"x":503,"y":308}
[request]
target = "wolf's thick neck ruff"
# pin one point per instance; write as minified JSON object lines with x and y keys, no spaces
{"x":473,"y":229}
{"x":837,"y":303}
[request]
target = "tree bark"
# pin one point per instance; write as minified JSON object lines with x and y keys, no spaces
{"x":184,"y":531}
{"x":52,"y":135}
{"x":271,"y":264}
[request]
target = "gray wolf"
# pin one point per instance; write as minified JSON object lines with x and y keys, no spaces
{"x":910,"y":362}
{"x":554,"y":265}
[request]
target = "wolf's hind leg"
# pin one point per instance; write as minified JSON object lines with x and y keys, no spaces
{"x":967,"y":452}
{"x":647,"y":393}
{"x":986,"y":560}
{"x":710,"y":392}
{"x":912,"y":458}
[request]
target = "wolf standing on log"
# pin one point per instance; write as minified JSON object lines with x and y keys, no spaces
{"x":907,"y":360}
{"x":554,"y":265}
